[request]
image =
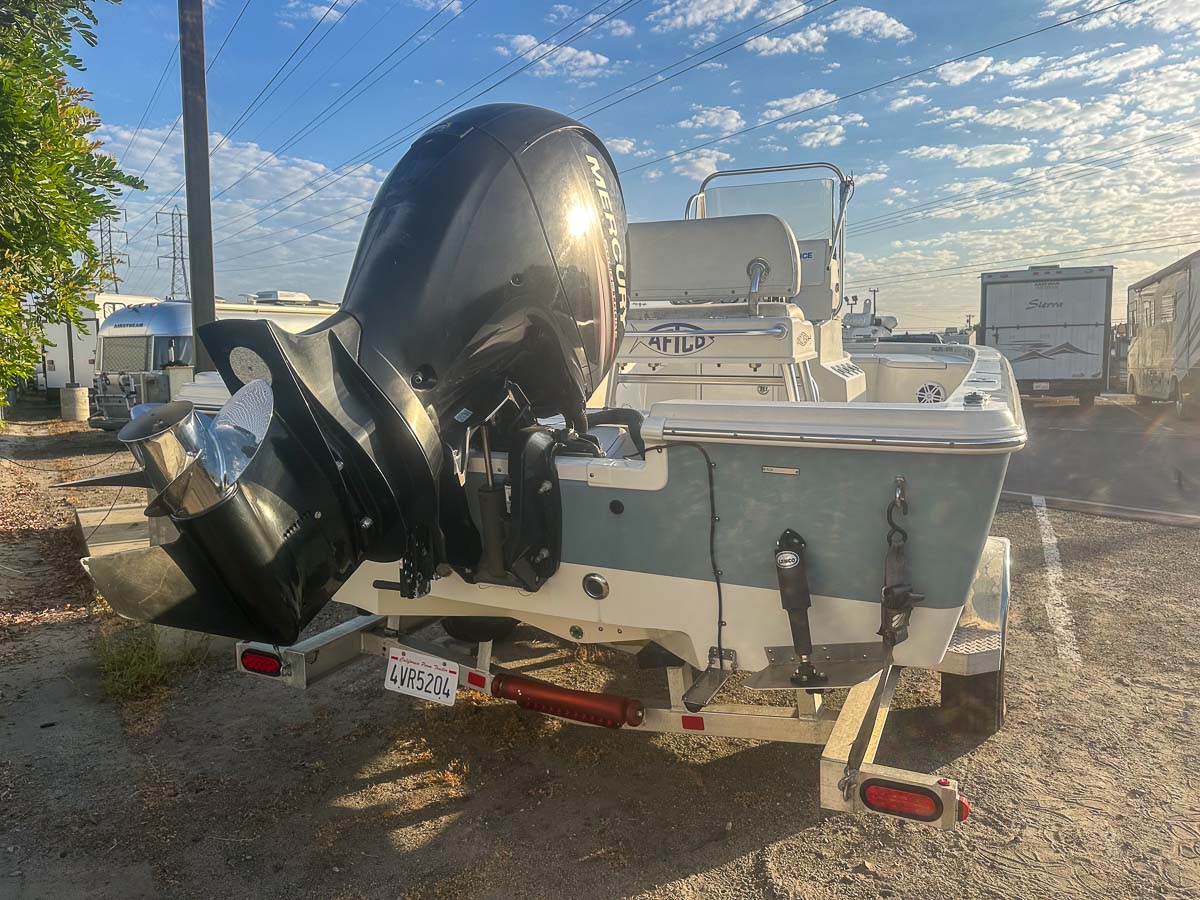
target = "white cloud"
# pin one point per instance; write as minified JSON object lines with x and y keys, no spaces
{"x":861,"y":21}
{"x":712,"y":66}
{"x":829,"y":131}
{"x":315,"y":262}
{"x":722,"y":118}
{"x":905,"y":102}
{"x":880,"y":173}
{"x":561,"y":61}
{"x":857,"y":21}
{"x":620,"y":145}
{"x":652,"y":175}
{"x":1171,"y":88}
{"x":1062,"y":114}
{"x":1093,"y":67}
{"x":700,"y":163}
{"x":1161,"y":15}
{"x":964,"y":71}
{"x":1016,"y":66}
{"x":700,"y":13}
{"x":295,"y":11}
{"x":805,"y":100}
{"x":430,"y":5}
{"x":560,"y":13}
{"x":809,"y":40}
{"x":980,"y":156}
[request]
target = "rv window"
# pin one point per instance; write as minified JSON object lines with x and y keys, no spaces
{"x":1166,"y":308}
{"x":1148,"y":313}
{"x":172,"y":349}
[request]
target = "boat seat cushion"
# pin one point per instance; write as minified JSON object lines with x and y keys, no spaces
{"x":707,"y":260}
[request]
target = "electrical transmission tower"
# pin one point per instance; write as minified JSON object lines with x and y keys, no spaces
{"x":109,"y":255}
{"x":178,"y":254}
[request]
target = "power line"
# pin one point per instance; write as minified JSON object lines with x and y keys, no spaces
{"x":291,"y":262}
{"x":359,"y":165}
{"x":250,"y":107}
{"x":307,"y":53}
{"x":744,"y":130}
{"x":883,"y":84}
{"x":654,"y":74}
{"x":1086,"y":168}
{"x":336,"y":105}
{"x":369,"y":30}
{"x":212,"y":62}
{"x":1075,"y":253}
{"x":149,"y":103}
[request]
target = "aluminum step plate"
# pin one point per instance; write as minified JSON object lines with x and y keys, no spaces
{"x":845,"y":665}
{"x":973,"y":650}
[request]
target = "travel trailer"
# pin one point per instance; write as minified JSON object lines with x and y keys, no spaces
{"x":1164,"y":336}
{"x":750,"y":495}
{"x":137,"y":344}
{"x":1053,"y":325}
{"x":68,"y":353}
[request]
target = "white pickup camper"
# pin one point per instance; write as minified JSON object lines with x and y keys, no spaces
{"x":1164,"y":324}
{"x":1053,"y":325}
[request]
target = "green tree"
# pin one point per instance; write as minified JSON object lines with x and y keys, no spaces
{"x":55,"y":184}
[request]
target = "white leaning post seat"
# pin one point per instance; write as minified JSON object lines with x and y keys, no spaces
{"x":708,"y":260}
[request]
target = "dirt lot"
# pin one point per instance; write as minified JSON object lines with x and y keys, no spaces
{"x":226,"y":786}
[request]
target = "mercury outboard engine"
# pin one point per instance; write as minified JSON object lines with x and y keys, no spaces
{"x":488,"y":292}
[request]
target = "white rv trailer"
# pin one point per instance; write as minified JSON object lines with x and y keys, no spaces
{"x":68,"y":353}
{"x":1164,"y":325}
{"x":1054,"y":326}
{"x":137,"y":343}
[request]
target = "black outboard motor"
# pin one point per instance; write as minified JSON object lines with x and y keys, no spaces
{"x":489,"y":290}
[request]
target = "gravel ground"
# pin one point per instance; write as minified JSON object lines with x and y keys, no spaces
{"x":226,"y":786}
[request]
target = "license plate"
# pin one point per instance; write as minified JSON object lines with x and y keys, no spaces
{"x":1041,"y":385}
{"x":421,"y":675}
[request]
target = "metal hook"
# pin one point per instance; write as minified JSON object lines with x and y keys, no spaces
{"x":895,"y":529}
{"x":900,"y":503}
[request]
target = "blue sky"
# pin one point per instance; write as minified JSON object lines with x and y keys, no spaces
{"x":1084,"y":136}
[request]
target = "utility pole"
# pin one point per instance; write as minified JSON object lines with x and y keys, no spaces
{"x":874,"y":302}
{"x":195,"y":167}
{"x":178,"y":255}
{"x":109,"y":254}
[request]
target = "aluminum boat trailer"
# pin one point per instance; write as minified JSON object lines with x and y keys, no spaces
{"x":850,"y":779}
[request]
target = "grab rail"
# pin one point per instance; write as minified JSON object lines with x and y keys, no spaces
{"x":778,"y":331}
{"x":846,"y":191}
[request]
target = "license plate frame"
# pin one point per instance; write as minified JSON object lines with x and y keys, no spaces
{"x":1041,"y":385}
{"x":421,"y":675}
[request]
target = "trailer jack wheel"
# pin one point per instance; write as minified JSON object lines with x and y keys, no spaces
{"x":975,"y":703}
{"x":476,"y":629}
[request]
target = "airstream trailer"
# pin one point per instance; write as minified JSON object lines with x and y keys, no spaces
{"x":138,"y":344}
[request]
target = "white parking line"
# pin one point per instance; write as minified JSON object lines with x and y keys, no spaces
{"x":1057,"y":610}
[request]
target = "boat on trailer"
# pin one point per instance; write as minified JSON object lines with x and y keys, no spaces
{"x":750,"y":498}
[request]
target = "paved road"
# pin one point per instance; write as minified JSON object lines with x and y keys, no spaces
{"x":1115,"y":453}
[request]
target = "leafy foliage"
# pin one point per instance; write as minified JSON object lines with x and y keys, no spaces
{"x":55,"y":184}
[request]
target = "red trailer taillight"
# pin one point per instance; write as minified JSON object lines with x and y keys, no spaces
{"x":907,"y":801}
{"x":261,"y":663}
